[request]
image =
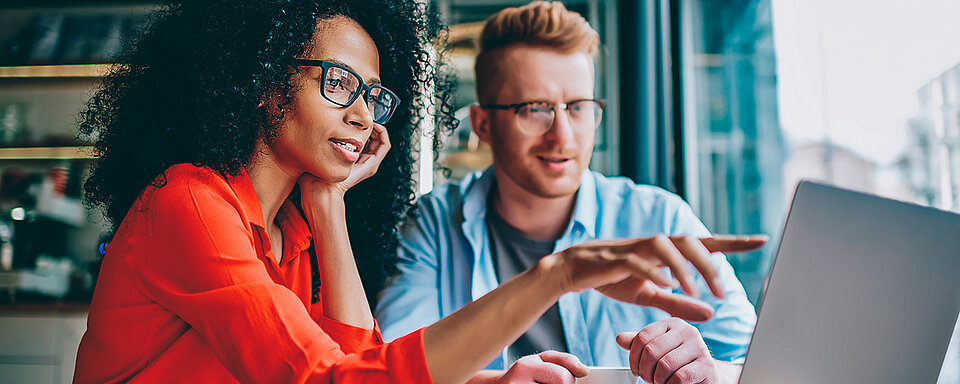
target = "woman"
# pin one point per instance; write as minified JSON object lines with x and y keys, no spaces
{"x":239,"y":142}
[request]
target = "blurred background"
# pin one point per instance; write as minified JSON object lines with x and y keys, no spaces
{"x":728,"y":103}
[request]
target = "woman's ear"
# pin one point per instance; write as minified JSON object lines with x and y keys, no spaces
{"x":270,"y":99}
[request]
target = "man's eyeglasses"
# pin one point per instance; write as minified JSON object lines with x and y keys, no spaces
{"x":342,"y":86}
{"x":536,"y":117}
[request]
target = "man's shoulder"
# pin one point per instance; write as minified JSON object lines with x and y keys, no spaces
{"x":623,"y":206}
{"x":619,"y":189}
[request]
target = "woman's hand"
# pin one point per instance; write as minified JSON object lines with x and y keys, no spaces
{"x":629,"y":270}
{"x":372,"y":154}
{"x":343,"y":296}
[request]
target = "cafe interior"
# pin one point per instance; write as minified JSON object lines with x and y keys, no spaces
{"x":728,"y":104}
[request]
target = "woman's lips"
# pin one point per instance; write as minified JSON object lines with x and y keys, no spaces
{"x":349,"y":149}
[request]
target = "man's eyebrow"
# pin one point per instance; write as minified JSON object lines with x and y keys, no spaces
{"x":374,"y":80}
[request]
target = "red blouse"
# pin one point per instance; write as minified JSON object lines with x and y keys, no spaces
{"x":189,"y":291}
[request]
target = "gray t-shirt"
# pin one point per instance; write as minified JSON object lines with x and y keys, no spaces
{"x":514,"y":253}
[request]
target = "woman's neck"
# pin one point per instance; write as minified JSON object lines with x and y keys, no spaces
{"x":272,"y":183}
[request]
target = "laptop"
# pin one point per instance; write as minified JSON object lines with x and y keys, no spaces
{"x":863,"y":290}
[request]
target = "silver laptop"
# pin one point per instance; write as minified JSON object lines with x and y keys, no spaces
{"x":863,"y":290}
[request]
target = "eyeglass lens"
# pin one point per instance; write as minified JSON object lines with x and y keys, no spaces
{"x":381,"y":103}
{"x":341,"y":87}
{"x":537,"y":118}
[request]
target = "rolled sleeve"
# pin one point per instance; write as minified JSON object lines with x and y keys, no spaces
{"x":401,"y":361}
{"x":350,"y":338}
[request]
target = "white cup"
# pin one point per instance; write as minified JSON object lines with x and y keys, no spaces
{"x":609,"y":375}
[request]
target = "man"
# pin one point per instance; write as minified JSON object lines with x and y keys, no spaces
{"x":535,"y":82}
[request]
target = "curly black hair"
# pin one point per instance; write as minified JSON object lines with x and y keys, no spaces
{"x":189,"y":91}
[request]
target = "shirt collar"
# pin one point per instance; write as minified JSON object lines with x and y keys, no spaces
{"x":296,"y":232}
{"x":475,"y":198}
{"x":243,"y":187}
{"x":584,"y":213}
{"x":588,"y":204}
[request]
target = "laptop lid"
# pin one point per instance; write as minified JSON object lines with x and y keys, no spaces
{"x":863,"y":290}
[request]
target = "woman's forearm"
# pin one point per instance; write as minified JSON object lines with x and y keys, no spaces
{"x":342,"y":294}
{"x":459,"y":345}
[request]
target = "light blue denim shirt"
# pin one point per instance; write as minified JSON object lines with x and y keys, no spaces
{"x":445,"y":263}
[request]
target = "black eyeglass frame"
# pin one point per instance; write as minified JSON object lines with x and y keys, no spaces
{"x":363,"y":88}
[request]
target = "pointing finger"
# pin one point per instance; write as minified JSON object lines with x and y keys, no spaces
{"x":734,"y":244}
{"x":700,"y":257}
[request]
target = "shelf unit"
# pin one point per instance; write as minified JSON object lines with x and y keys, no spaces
{"x":55,"y":71}
{"x":38,"y":344}
{"x":47,"y":153}
{"x":49,"y":98}
{"x":68,"y":71}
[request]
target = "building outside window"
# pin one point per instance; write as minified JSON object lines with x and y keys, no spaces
{"x":864,"y":95}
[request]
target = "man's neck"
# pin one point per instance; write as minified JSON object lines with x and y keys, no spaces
{"x":536,"y":217}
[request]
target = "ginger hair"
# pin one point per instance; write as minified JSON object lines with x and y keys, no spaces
{"x":538,"y":24}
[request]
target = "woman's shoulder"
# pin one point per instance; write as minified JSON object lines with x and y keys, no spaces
{"x":191,"y":174}
{"x":187,"y":199}
{"x":188,"y":184}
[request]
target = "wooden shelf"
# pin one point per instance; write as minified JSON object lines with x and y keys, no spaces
{"x":465,"y":31}
{"x":47,"y":153}
{"x":469,"y":159}
{"x":55,"y":71}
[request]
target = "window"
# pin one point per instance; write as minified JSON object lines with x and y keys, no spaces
{"x":864,"y":95}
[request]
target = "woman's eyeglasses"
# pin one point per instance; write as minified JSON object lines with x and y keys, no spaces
{"x":342,"y":86}
{"x":536,"y":117}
